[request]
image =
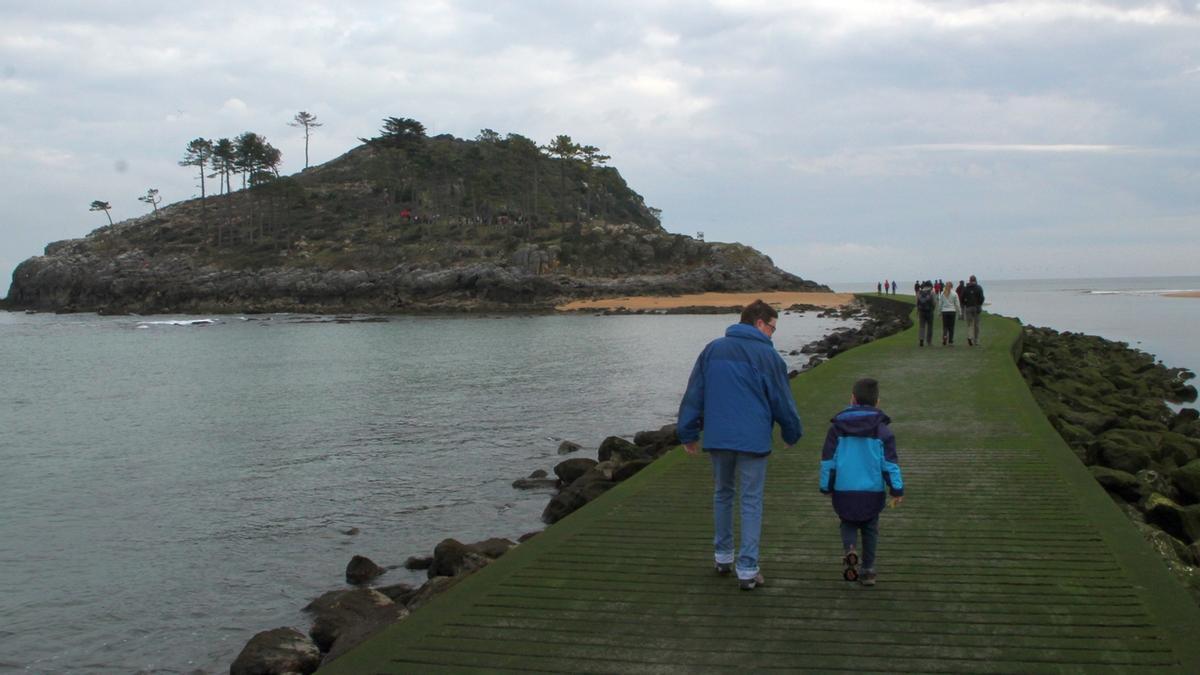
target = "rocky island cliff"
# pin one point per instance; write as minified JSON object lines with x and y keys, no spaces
{"x":402,"y":223}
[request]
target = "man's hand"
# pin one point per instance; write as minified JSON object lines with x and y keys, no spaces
{"x":692,"y":448}
{"x":897,"y":501}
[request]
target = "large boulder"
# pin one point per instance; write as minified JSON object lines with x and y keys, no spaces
{"x":1181,"y":522}
{"x":569,"y":470}
{"x":658,"y":441}
{"x":337,"y":611}
{"x":362,"y":569}
{"x":1128,"y":451}
{"x":1121,"y":483}
{"x":617,"y":448}
{"x":629,"y":469}
{"x":567,"y":447}
{"x":535,"y":483}
{"x":277,"y":652}
{"x":1177,"y":449}
{"x":429,"y":589}
{"x":597,"y":481}
{"x":1186,"y":480}
{"x":452,"y":558}
{"x":494,"y":547}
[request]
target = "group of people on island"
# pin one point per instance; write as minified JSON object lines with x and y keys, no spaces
{"x":739,"y":390}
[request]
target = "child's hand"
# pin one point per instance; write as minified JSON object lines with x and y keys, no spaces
{"x":897,"y":501}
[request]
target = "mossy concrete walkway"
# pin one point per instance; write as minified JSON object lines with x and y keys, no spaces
{"x":1005,"y":557}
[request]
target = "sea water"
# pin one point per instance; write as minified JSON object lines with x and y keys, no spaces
{"x":172,"y":485}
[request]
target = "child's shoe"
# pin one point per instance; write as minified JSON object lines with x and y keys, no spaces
{"x":850,"y":564}
{"x":723,"y":569}
{"x":867,"y":578}
{"x":751,"y":584}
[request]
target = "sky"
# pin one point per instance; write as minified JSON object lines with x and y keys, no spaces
{"x":849,"y":140}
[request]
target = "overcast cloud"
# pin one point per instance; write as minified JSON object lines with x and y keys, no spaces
{"x":848,"y":140}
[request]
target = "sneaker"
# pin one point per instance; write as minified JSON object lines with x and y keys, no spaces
{"x":943,"y":340}
{"x":751,"y":584}
{"x":921,"y":343}
{"x":850,"y":566}
{"x":723,"y":569}
{"x":970,"y":343}
{"x":868,"y":578}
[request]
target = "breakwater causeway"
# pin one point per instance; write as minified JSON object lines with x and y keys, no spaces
{"x":173,"y":486}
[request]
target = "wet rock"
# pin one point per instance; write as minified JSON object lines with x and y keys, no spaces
{"x":657,"y":441}
{"x":362,"y":569}
{"x":1121,"y":483}
{"x":567,"y":447}
{"x":418,"y":562}
{"x":540,"y":473}
{"x":527,"y":536}
{"x":336,"y":611}
{"x":453,"y":558}
{"x":1186,"y":480}
{"x":1177,"y":449}
{"x":277,"y":652}
{"x":492,"y":548}
{"x":535,"y":483}
{"x":431,"y":588}
{"x":1128,"y":451}
{"x":615,"y":447}
{"x":629,"y":469}
{"x":1181,"y":522}
{"x":356,"y":633}
{"x":399,"y":593}
{"x":569,"y":470}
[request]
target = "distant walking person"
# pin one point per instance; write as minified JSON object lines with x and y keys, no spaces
{"x":925,"y":306}
{"x":878,"y":288}
{"x":972,"y":306}
{"x":736,"y":394}
{"x":858,"y":461}
{"x":949,"y":307}
{"x":893,"y":286}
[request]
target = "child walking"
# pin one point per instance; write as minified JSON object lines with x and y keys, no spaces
{"x":857,"y":460}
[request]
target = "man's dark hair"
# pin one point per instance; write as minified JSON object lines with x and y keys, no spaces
{"x":758,"y":310}
{"x":866,"y":391}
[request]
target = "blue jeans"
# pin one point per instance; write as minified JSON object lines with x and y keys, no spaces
{"x":751,"y":470}
{"x":870,"y":536}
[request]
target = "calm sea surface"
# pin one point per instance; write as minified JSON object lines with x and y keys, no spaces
{"x":169,"y":490}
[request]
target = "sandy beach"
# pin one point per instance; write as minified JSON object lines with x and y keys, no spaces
{"x":1183,"y":294}
{"x":782,"y":299}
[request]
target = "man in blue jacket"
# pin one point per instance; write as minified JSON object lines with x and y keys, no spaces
{"x":737,"y":392}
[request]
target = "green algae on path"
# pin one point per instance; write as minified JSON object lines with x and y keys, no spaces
{"x":1006,"y":555}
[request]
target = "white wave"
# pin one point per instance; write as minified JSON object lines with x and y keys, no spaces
{"x":180,"y":322}
{"x":1151,"y":291}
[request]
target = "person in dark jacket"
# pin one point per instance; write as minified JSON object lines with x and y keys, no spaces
{"x":972,"y":304}
{"x":925,"y":306}
{"x":736,"y":394}
{"x":857,"y":460}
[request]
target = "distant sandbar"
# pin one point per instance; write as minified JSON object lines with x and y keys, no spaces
{"x":1183,"y":294}
{"x":652,"y":302}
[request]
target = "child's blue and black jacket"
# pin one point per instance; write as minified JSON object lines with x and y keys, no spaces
{"x":858,"y":460}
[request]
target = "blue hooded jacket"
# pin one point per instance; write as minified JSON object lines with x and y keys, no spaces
{"x":738,"y":390}
{"x":857,"y":460}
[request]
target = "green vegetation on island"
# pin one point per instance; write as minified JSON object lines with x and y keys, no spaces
{"x":403,"y":222}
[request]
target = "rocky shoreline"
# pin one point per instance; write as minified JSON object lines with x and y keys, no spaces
{"x":1108,"y":401}
{"x":85,"y":275}
{"x":344,"y":618}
